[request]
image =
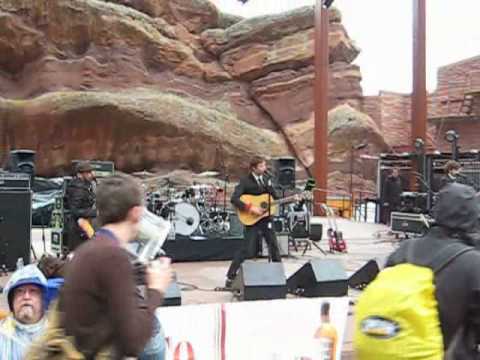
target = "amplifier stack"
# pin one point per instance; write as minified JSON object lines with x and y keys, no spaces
{"x":15,"y":219}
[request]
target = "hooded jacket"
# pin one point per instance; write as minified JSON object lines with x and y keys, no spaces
{"x":16,"y":337}
{"x":456,"y":213}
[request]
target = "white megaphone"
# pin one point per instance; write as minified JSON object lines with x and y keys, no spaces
{"x":152,"y":234}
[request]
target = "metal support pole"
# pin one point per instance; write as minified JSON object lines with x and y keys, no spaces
{"x":321,"y":105}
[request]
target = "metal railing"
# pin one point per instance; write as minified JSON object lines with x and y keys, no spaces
{"x":353,"y":206}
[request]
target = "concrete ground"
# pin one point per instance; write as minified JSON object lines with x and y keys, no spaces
{"x":199,"y":279}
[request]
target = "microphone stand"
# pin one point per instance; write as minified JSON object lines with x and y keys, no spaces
{"x":42,"y":213}
{"x":225,"y":195}
{"x":268,"y":186}
{"x":420,"y":177}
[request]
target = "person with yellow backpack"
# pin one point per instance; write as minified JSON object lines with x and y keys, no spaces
{"x":424,"y":304}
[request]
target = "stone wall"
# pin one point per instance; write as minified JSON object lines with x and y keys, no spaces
{"x":448,"y":109}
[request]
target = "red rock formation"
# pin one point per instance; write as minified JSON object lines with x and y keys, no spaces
{"x":250,"y":76}
{"x":137,"y":130}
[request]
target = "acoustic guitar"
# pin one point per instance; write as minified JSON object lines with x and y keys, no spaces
{"x":262,"y":201}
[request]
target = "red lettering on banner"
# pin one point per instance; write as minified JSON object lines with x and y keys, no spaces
{"x":223,"y":331}
{"x":177,"y":353}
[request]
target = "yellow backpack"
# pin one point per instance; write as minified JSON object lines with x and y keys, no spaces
{"x":396,"y":317}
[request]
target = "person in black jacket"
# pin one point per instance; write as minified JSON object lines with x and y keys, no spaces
{"x":255,"y":183}
{"x":392,"y":190}
{"x":80,"y":196}
{"x":453,"y":174}
{"x":457,"y":285}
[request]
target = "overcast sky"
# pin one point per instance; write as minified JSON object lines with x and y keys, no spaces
{"x":383,"y":30}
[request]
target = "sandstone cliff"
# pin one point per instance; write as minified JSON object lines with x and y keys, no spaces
{"x":162,"y":83}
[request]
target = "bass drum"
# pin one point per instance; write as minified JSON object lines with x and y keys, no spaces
{"x":185,"y":219}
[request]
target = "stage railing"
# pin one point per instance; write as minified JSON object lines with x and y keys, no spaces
{"x":349,"y":205}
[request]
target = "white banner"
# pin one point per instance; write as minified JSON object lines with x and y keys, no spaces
{"x":281,"y":329}
{"x":263,"y":330}
{"x":192,"y":332}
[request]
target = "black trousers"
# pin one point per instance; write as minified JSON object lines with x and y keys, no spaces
{"x":252,"y":235}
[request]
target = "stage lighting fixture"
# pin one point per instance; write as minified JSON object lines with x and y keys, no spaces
{"x":451,"y":136}
{"x":419,"y":143}
{"x":328,"y":3}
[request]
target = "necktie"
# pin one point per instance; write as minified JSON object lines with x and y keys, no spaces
{"x":260,"y":181}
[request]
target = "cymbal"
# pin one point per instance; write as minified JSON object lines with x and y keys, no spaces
{"x":208,"y":174}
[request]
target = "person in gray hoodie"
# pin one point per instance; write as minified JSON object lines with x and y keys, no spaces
{"x":26,"y":292}
{"x":457,"y":285}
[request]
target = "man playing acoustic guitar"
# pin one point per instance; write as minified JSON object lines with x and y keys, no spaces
{"x":258,"y":184}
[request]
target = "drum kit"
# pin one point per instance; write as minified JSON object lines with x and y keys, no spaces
{"x":194,"y":211}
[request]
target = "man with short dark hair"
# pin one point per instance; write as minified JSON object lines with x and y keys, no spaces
{"x":453,"y":173}
{"x":26,"y":294}
{"x":101,"y":306}
{"x":81,"y":197}
{"x":255,"y":183}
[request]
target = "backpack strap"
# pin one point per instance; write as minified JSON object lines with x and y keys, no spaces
{"x":447,"y":255}
{"x":442,"y":258}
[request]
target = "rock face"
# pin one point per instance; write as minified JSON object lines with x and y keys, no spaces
{"x":162,"y":83}
{"x":137,"y":130}
{"x":347,"y":128}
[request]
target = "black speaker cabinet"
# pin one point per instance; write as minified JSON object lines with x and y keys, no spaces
{"x":319,"y":278}
{"x":15,"y":227}
{"x":19,"y":158}
{"x":284,"y":172}
{"x":409,"y":223}
{"x":172,"y":295}
{"x":316,"y":228}
{"x":364,"y":276}
{"x":261,"y":281}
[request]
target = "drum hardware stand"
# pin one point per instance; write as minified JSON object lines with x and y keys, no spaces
{"x":225,"y":193}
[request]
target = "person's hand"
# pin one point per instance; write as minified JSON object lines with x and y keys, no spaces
{"x":255,"y":210}
{"x":159,"y":274}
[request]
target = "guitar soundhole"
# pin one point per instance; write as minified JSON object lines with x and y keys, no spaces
{"x":264,"y":205}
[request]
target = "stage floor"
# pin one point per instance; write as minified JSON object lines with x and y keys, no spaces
{"x":198,"y":280}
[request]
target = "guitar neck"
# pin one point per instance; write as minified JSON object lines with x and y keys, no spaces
{"x":284,"y":200}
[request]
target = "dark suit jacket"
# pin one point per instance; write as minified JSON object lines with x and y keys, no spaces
{"x":81,"y":199}
{"x":248,"y":185}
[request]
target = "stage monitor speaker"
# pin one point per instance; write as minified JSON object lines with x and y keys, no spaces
{"x":319,"y":278}
{"x":261,"y":281}
{"x":15,"y":227}
{"x":364,"y":276}
{"x":284,"y":172}
{"x":172,"y":295}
